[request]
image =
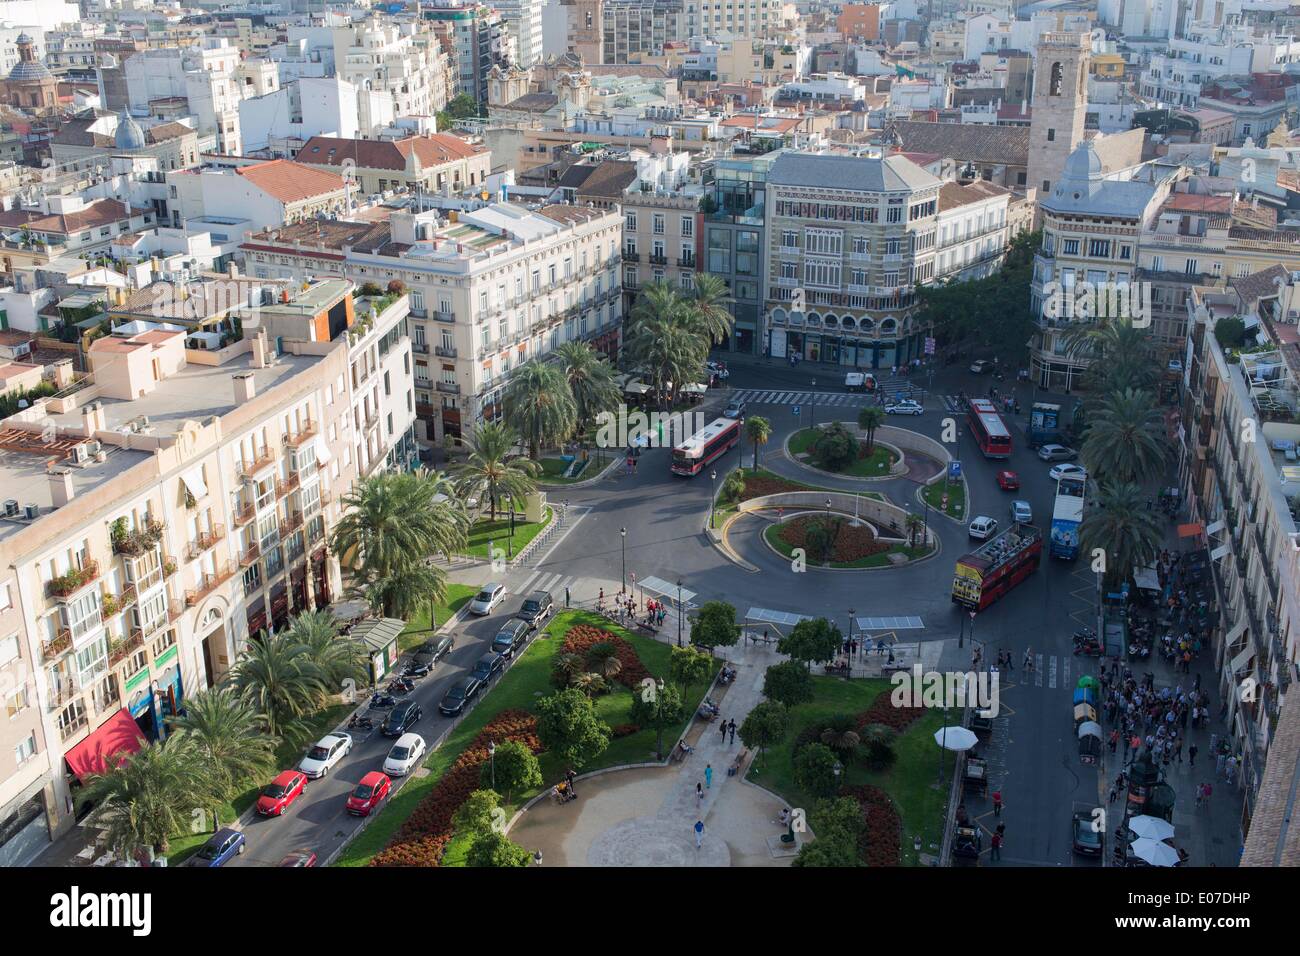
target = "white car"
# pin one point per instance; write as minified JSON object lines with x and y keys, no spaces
{"x":487,"y":598}
{"x":983,"y":528}
{"x":718,"y":369}
{"x":905,"y":407}
{"x":1068,"y":471}
{"x":1021,"y":513}
{"x":328,"y":751}
{"x":405,"y":755}
{"x":980,"y":366}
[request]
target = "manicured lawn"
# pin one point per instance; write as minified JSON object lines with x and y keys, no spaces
{"x":956,"y":491}
{"x":496,"y":534}
{"x":287,"y":757}
{"x":910,"y":781}
{"x":772,"y":535}
{"x":553,"y":471}
{"x":526,"y":682}
{"x":873,"y":465}
{"x":418,"y":630}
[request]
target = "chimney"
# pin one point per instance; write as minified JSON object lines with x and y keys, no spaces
{"x":92,"y":418}
{"x":232,"y":271}
{"x":244,"y":387}
{"x":61,"y":490}
{"x":259,"y":351}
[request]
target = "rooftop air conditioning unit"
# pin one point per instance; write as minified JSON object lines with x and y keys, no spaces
{"x":31,"y":512}
{"x":11,"y":507}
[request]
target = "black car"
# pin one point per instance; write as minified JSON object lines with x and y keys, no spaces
{"x":536,"y":608}
{"x":487,"y":665}
{"x":1088,"y":838}
{"x":460,"y":694}
{"x":428,"y":654}
{"x":401,"y":718}
{"x":510,"y":637}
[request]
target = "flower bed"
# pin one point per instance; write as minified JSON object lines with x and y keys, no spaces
{"x":581,"y":638}
{"x":425,"y":834}
{"x":883,"y":711}
{"x":851,"y":544}
{"x":881,"y":841}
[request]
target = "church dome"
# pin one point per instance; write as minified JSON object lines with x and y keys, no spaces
{"x":28,"y":67}
{"x":1083,"y":165}
{"x":129,"y":135}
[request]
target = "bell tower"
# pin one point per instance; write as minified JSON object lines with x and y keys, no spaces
{"x":1059,"y":106}
{"x":586,"y":29}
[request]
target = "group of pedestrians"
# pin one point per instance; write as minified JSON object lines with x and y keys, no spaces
{"x":1140,"y":715}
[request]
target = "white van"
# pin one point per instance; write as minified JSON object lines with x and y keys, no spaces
{"x":859,"y":382}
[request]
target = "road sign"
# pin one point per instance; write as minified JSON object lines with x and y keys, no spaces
{"x":954,"y":469}
{"x":929,"y":345}
{"x":795,"y":409}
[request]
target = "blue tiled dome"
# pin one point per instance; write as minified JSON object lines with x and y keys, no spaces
{"x":28,"y":68}
{"x":129,"y":135}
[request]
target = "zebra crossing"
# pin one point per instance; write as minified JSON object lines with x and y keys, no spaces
{"x":548,"y":581}
{"x":756,"y":396}
{"x":1052,"y":671}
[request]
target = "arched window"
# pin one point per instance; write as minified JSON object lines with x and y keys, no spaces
{"x":1058,"y":79}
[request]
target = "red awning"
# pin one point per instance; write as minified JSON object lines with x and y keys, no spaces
{"x":113,"y":741}
{"x":1190,"y":530}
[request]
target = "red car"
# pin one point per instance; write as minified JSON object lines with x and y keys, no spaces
{"x":373,"y":788}
{"x":299,"y":858}
{"x":279,"y":795}
{"x":1008,"y":480}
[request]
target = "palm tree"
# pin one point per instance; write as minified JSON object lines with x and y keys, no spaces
{"x":871,"y":417}
{"x":338,"y":658}
{"x":603,"y":659}
{"x":1120,"y":354}
{"x":591,"y":381}
{"x":1126,"y":438}
{"x":279,"y":678}
{"x":539,"y":404}
{"x":589,"y":684}
{"x":1122,"y":527}
{"x":707,"y":312}
{"x":226,"y":733}
{"x":668,"y":352}
{"x":490,"y":471}
{"x":148,"y":798}
{"x":658,"y":302}
{"x":406,"y":593}
{"x":914,"y":524}
{"x":842,"y":738}
{"x":569,"y":665}
{"x":758,"y":430}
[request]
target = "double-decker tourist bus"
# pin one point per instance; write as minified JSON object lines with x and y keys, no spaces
{"x":996,"y":566}
{"x":1067,"y":515}
{"x":706,"y":446}
{"x":990,"y":431}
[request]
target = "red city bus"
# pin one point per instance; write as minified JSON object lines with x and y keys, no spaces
{"x":988,"y":428}
{"x":705,"y":446}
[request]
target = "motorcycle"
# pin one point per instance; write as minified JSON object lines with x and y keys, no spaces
{"x":360,"y":723}
{"x":379,"y":701}
{"x":401,"y":685}
{"x":1088,"y":650}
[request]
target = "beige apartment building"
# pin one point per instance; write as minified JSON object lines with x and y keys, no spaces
{"x":430,"y":164}
{"x":171,"y":504}
{"x":490,"y":286}
{"x":661,"y":240}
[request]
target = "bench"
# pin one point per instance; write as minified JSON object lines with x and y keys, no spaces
{"x":737,"y":763}
{"x":679,"y":752}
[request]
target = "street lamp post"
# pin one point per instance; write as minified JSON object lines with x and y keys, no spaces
{"x":961,"y":632}
{"x":622,"y":584}
{"x":713,"y":494}
{"x":925,"y":529}
{"x":679,"y":612}
{"x":851,"y":632}
{"x":492,"y":761}
{"x":812,"y":405}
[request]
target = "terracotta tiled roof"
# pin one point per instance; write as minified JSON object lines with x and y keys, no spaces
{"x":432,"y":150}
{"x":1008,"y":145}
{"x":291,"y":182}
{"x":605,"y":180}
{"x":104,"y":212}
{"x":952,"y":195}
{"x":1258,"y":285}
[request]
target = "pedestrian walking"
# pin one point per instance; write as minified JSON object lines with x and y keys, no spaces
{"x":996,"y":843}
{"x":708,"y":775}
{"x":1209,"y":792}
{"x":723,"y":728}
{"x":1191,"y":755}
{"x":699,"y":833}
{"x":1029,"y":660}
{"x":566,"y":595}
{"x":1219,"y":761}
{"x":1114,"y":740}
{"x":571,"y":776}
{"x":997,"y":803}
{"x":699,"y":793}
{"x":1114,"y":792}
{"x":1200,"y":794}
{"x":732,"y":727}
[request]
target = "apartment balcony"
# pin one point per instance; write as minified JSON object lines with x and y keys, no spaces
{"x":204,"y":541}
{"x":209,"y":583}
{"x":789,"y":250}
{"x":445,"y":351}
{"x":443,"y":315}
{"x":72,"y":582}
{"x":248,"y":468}
{"x":68,"y":731}
{"x":451,"y":388}
{"x":859,"y":288}
{"x":61,"y":643}
{"x":686,"y":262}
{"x":118,"y":651}
{"x":658,"y":260}
{"x":249,"y":555}
{"x":631,"y":256}
{"x":787,"y":282}
{"x":631,"y":285}
{"x":137,"y":541}
{"x":295,"y":438}
{"x":244,"y":515}
{"x":420,"y":348}
{"x":285,"y":486}
{"x":291,"y":524}
{"x":59,"y":697}
{"x":110,"y":605}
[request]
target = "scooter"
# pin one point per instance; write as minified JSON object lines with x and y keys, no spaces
{"x":360,"y":723}
{"x":401,"y":685}
{"x":378,"y":701}
{"x":1088,"y":649}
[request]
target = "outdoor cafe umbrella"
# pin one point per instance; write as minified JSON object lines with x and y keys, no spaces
{"x":1088,"y":681}
{"x":1154,"y":852}
{"x":1151,"y":828}
{"x":955,"y":738}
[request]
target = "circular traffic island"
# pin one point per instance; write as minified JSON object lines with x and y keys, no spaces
{"x":837,"y":450}
{"x":843,"y":542}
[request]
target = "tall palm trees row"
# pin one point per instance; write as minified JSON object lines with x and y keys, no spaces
{"x":1125,"y":447}
{"x":225,"y":740}
{"x":669,"y":333}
